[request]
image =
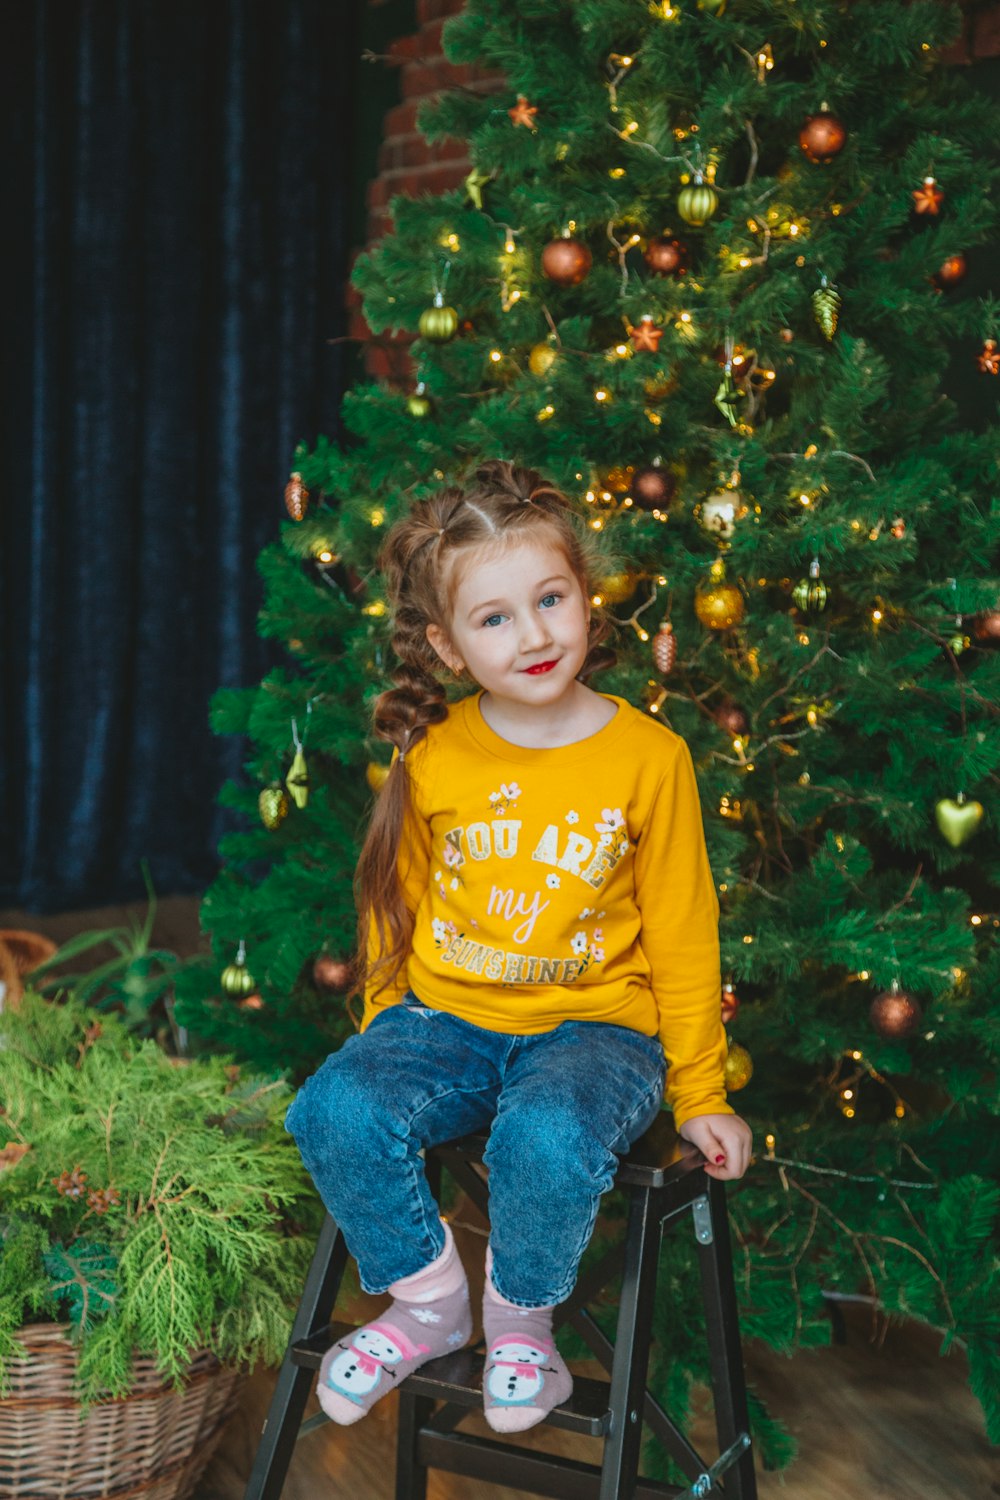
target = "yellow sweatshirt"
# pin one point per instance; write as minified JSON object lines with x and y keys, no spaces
{"x":566,"y":884}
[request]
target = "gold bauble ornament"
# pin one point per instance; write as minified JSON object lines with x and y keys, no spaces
{"x":958,"y":819}
{"x":418,"y":403}
{"x":438,"y":324}
{"x":236,"y":978}
{"x":719,"y":512}
{"x":811,"y":594}
{"x":376,"y":775}
{"x":272,"y":804}
{"x":826,"y":307}
{"x":719,"y":605}
{"x":296,"y":498}
{"x":739,"y":1068}
{"x":615,"y":588}
{"x":617,"y":479}
{"x":541,"y":358}
{"x":297,"y":780}
{"x":697,"y":202}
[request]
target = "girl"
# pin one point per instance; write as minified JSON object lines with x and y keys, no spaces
{"x":539,"y":931}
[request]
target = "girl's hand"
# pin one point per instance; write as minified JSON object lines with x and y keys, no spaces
{"x":725,"y":1141}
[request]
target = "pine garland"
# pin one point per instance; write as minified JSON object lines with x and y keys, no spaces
{"x":155,"y":1204}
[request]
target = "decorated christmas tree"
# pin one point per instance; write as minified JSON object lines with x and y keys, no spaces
{"x":706,"y":275}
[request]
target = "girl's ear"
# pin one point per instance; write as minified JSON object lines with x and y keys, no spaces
{"x":442,"y":645}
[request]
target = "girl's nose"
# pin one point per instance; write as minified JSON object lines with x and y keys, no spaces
{"x":534,"y":632}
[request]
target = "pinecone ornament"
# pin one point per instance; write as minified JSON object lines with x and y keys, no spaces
{"x":665,"y":648}
{"x":826,"y":307}
{"x":296,"y":498}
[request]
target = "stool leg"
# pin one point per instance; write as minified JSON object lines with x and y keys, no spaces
{"x":715,"y":1256}
{"x":620,"y":1467}
{"x":411,"y":1474}
{"x":284,"y":1417}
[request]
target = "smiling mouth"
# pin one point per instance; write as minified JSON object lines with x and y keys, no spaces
{"x":542,"y":666}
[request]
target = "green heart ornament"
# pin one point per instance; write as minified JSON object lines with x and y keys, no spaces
{"x":958,"y":821}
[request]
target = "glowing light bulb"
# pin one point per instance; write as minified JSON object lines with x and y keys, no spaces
{"x":377,"y":516}
{"x":496,"y":356}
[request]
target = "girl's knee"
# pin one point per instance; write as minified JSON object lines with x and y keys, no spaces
{"x":553,"y":1142}
{"x":336,"y":1105}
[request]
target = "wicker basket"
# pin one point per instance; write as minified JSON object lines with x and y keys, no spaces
{"x":154,"y":1443}
{"x":20,"y":952}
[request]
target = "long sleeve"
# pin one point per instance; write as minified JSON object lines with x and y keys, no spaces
{"x":413,"y":864}
{"x":675,"y":893}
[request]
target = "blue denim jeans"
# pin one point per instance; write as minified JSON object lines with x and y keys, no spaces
{"x":559,"y":1105}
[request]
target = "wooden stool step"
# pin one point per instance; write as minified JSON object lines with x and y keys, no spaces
{"x":458,"y":1379}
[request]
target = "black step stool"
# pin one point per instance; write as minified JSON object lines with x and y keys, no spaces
{"x":664,"y":1180}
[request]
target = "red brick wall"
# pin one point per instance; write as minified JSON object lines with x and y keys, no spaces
{"x":407,"y":164}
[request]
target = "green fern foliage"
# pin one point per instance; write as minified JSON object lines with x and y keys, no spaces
{"x":155,"y":1204}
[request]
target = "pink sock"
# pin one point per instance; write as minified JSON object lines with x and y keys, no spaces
{"x":524,"y":1376}
{"x":429,"y":1315}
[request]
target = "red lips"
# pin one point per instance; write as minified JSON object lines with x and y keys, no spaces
{"x":542,"y":666}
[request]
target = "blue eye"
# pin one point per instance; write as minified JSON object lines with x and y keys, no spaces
{"x":550,"y":596}
{"x":492,"y":617}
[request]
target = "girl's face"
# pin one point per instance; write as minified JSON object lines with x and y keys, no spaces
{"x":519,"y":623}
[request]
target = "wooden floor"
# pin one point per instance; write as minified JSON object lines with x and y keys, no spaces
{"x":889,"y":1421}
{"x":881,"y":1417}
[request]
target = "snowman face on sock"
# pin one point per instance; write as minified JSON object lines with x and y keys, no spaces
{"x":518,"y":1353}
{"x":376,"y":1344}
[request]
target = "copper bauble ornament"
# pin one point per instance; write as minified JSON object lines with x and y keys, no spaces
{"x":418,"y":403}
{"x":986,"y":625}
{"x":927,"y":198}
{"x":718,"y":513}
{"x":822,"y":136}
{"x":730,"y":1003}
{"x":894,"y":1013}
{"x":811,"y":594}
{"x":666,"y":257}
{"x":438,"y":324}
{"x":236,"y":978}
{"x":541,"y":358}
{"x":739,"y":1068}
{"x":733,"y":719}
{"x":665,"y":648}
{"x":654,"y":487}
{"x":826,"y":307}
{"x":697,"y":202}
{"x":296,"y":498}
{"x":272,"y":804}
{"x":958,"y":819}
{"x":615,"y":588}
{"x":952,"y":270}
{"x":566,"y":261}
{"x":331,"y":973}
{"x":989,"y":360}
{"x":719,"y":605}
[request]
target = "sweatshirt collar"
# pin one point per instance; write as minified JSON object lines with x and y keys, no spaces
{"x":558,"y":755}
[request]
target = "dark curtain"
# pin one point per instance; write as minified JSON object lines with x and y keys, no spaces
{"x":177,"y":189}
